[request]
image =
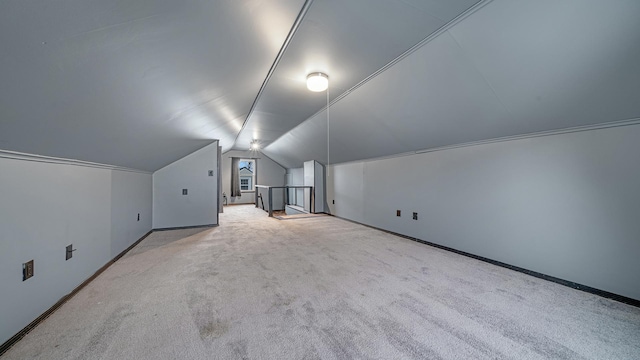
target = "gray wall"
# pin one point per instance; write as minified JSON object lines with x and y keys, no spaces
{"x":200,"y":205}
{"x":269,"y":173}
{"x":47,"y":205}
{"x":295,"y":177}
{"x":564,"y":205}
{"x":314,"y":175}
{"x":128,"y":191}
{"x":345,"y":185}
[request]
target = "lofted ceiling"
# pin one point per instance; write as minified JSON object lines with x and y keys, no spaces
{"x":349,"y":40}
{"x":508,"y":68}
{"x":139,"y":83}
{"x":142,"y":84}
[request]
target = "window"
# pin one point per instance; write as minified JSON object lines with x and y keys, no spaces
{"x":247,"y":169}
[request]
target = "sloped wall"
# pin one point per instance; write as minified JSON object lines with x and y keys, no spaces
{"x":564,"y":205}
{"x":200,"y":206}
{"x":46,"y":206}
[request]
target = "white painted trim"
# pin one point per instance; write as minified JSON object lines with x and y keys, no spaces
{"x":14,"y":155}
{"x":612,"y":124}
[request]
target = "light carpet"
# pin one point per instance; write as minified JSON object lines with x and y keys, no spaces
{"x":322,"y":288}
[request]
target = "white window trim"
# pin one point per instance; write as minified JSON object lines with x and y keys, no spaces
{"x":253,"y":178}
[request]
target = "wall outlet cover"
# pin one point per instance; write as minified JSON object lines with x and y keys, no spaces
{"x":398,"y":213}
{"x":69,"y":252}
{"x":185,"y":191}
{"x":27,"y":270}
{"x":415,"y":216}
{"x":210,"y":172}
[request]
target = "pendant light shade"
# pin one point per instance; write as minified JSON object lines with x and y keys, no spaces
{"x":317,"y":82}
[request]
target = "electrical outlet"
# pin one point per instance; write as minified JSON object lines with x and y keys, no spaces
{"x":210,"y":172}
{"x":415,"y":216}
{"x":69,"y":253}
{"x":27,"y":270}
{"x":184,"y":191}
{"x":398,"y":212}
{"x":333,"y":201}
{"x":138,"y":216}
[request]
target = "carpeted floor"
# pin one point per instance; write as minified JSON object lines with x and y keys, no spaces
{"x":322,"y":288}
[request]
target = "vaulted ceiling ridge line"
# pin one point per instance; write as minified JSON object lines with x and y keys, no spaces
{"x":283,"y":49}
{"x":15,"y":155}
{"x":477,"y":6}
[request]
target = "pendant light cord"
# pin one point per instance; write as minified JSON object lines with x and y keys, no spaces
{"x":328,"y":147}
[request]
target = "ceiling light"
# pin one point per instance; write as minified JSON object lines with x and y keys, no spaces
{"x":317,"y":81}
{"x":255,"y":145}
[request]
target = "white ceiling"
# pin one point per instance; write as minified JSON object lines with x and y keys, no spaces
{"x":349,"y":40}
{"x":138,"y":83}
{"x":510,"y":68}
{"x":141,"y":84}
